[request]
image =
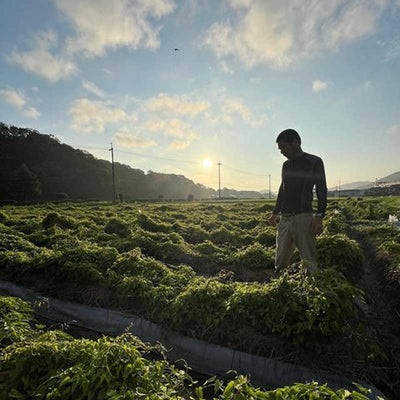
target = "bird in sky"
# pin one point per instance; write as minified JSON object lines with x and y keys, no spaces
{"x":176,"y":49}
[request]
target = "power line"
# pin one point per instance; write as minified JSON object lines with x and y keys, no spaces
{"x":244,"y":172}
{"x":144,"y":155}
{"x":175,"y":160}
{"x":159,"y":158}
{"x":179,"y":161}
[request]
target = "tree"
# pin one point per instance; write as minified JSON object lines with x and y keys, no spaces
{"x":24,"y":185}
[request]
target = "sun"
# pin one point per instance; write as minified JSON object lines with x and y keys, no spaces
{"x":207,"y":163}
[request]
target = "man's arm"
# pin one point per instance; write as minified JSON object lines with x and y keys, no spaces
{"x":279,"y":201}
{"x":320,"y":187}
{"x":278,"y":206}
{"x":322,"y":191}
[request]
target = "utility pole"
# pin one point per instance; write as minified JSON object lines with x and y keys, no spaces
{"x":339,"y":187}
{"x":219,"y":179}
{"x":269,"y":178}
{"x":113,"y":173}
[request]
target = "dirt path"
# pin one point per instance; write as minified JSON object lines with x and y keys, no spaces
{"x":382,"y":316}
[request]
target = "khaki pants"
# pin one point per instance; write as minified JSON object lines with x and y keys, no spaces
{"x":295,"y":232}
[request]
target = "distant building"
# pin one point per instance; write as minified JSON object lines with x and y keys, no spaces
{"x":347,"y":193}
{"x":388,"y":190}
{"x":388,"y":184}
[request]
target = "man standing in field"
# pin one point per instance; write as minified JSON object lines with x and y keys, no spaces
{"x":298,"y":225}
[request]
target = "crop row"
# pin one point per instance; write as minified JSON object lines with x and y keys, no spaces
{"x":35,"y":364}
{"x":309,"y":312}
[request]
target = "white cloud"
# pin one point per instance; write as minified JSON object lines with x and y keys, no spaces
{"x":393,"y":133}
{"x":188,"y":10}
{"x":227,"y":68}
{"x":107,"y":72}
{"x":230,"y":108}
{"x":392,"y":137}
{"x":234,"y":106}
{"x":41,"y":60}
{"x":392,"y":49}
{"x":255,"y":81}
{"x":176,"y":105}
{"x":173,"y":127}
{"x":103,"y":24}
{"x":227,"y":119}
{"x":226,"y":109}
{"x":13,"y":97}
{"x":18,"y":100}
{"x":279,"y":33}
{"x":92,"y":88}
{"x":368,"y":85}
{"x":180,"y":144}
{"x":176,"y":128}
{"x":212,"y":118}
{"x":129,"y":140}
{"x":98,"y":26}
{"x":318,"y":86}
{"x":92,"y":116}
{"x":31,"y":112}
{"x":240,"y":3}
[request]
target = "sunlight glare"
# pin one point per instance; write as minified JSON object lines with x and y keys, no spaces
{"x":207,"y":163}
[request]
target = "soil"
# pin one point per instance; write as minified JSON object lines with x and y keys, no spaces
{"x":383,"y":314}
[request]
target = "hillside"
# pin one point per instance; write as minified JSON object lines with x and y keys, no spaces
{"x":38,"y":166}
{"x":354,"y":185}
{"x":395,"y":177}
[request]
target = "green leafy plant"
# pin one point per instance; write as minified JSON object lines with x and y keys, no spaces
{"x":340,"y":252}
{"x":15,"y":318}
{"x":254,"y":257}
{"x":115,"y":225}
{"x":55,"y":366}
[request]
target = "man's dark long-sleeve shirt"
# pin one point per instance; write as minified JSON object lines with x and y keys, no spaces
{"x":299,"y":175}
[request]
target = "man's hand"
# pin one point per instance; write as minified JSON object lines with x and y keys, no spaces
{"x":272,"y":219}
{"x":317,"y":227}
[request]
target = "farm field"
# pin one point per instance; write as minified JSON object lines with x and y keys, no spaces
{"x":204,"y":270}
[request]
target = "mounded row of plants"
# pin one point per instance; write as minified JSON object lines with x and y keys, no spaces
{"x":369,"y":222}
{"x":369,"y":209}
{"x":381,"y":236}
{"x":58,"y":246}
{"x":40,"y":364}
{"x":198,"y":237}
{"x":123,"y":228}
{"x":305,"y":312}
{"x":384,"y":242}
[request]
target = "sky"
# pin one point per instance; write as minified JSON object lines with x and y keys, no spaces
{"x":171,"y":83}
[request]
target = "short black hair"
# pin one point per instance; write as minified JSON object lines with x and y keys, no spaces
{"x":288,"y":136}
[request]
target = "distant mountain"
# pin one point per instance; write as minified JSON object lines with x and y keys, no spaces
{"x":395,"y":177}
{"x":354,"y":185}
{"x":367,"y":185}
{"x":266,"y":193}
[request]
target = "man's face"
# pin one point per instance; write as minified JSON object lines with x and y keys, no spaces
{"x":287,"y":149}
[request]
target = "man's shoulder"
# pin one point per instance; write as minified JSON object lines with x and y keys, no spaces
{"x":313,"y":158}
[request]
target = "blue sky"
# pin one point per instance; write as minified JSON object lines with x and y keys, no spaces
{"x":92,"y":72}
